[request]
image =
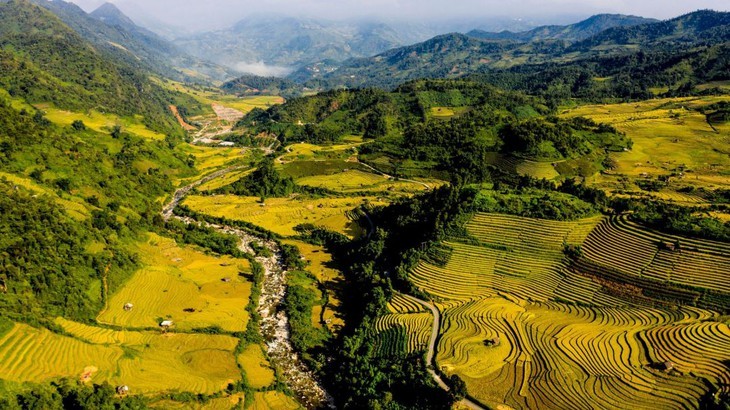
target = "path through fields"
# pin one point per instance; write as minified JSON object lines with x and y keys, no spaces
{"x":432,"y":349}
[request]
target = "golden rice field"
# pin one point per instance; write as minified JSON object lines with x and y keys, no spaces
{"x":148,"y":362}
{"x":399,"y":304}
{"x":535,"y":169}
{"x":320,"y":264}
{"x":231,"y":402}
{"x":552,"y":355}
{"x":224,"y":180}
{"x":258,"y":369}
{"x":355,"y":180}
{"x":210,"y":96}
{"x":564,"y":340}
{"x":183,"y":285}
{"x":281,"y":215}
{"x":666,"y":135}
{"x":100,"y":122}
{"x":522,"y":256}
{"x":305,"y":151}
{"x":273,"y":400}
{"x":699,"y":263}
{"x":402,"y":333}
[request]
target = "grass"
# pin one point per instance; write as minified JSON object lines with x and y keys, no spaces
{"x":148,"y":362}
{"x":75,"y":206}
{"x":184,"y":285}
{"x":100,"y":122}
{"x":281,"y":215}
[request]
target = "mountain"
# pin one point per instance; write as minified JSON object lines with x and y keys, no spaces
{"x":45,"y":61}
{"x":573,"y":32}
{"x":108,"y":28}
{"x":456,"y":55}
{"x":268,"y":45}
{"x":257,"y":85}
{"x":703,"y":26}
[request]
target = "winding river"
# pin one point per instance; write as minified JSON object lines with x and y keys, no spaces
{"x":274,"y":321}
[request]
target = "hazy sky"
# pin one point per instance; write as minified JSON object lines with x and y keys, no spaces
{"x":210,"y":14}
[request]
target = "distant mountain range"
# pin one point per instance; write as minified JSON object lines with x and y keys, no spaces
{"x":457,"y":55}
{"x":572,"y":32}
{"x":109,"y":28}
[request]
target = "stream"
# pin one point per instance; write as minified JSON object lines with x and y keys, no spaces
{"x":274,"y":321}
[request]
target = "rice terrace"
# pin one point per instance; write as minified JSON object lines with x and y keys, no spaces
{"x":291,"y":206}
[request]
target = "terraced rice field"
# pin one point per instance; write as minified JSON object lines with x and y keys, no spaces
{"x":400,"y":304}
{"x":552,"y":355}
{"x":509,"y":332}
{"x":535,"y":169}
{"x":76,"y":207}
{"x":281,"y":215}
{"x":148,"y":362}
{"x":183,"y":285}
{"x":521,"y":256}
{"x":634,"y":250}
{"x":667,"y":134}
{"x":403,"y":333}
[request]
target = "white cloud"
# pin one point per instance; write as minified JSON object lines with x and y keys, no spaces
{"x":262,"y":69}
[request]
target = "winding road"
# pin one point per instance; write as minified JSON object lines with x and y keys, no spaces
{"x":430,"y":354}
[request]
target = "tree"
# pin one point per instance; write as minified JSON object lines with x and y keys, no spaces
{"x":458,"y":387}
{"x":78,"y":125}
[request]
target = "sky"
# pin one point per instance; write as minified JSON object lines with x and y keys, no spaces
{"x":212,"y":14}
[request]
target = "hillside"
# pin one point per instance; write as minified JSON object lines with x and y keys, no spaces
{"x":454,"y":55}
{"x":257,"y":85}
{"x":45,"y":61}
{"x":571,"y":33}
{"x":109,"y":29}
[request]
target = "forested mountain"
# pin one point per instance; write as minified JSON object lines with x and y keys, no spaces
{"x":250,"y":84}
{"x":286,"y":42}
{"x":455,"y":55}
{"x":108,"y":28}
{"x":45,"y":61}
{"x":571,"y":32}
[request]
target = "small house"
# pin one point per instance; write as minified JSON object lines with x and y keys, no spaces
{"x":166,"y":324}
{"x":667,"y":366}
{"x":123,"y":390}
{"x":491,"y":342}
{"x":226,"y":280}
{"x":227,"y":144}
{"x":128,"y":307}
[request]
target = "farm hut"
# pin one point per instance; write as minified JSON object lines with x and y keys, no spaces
{"x":667,"y":366}
{"x":166,"y":324}
{"x":227,"y":144}
{"x":491,"y":342}
{"x":123,"y":390}
{"x":128,"y":307}
{"x":226,"y":280}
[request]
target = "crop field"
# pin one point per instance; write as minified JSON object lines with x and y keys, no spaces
{"x":400,"y":333}
{"x":224,"y":180}
{"x":273,"y":400}
{"x":258,"y":370}
{"x":100,"y":122}
{"x":148,"y":362}
{"x":667,"y":135}
{"x":210,"y":96}
{"x":524,"y":329}
{"x":535,"y":169}
{"x":561,"y":356}
{"x":320,"y":264}
{"x":281,"y":215}
{"x":357,"y":180}
{"x":209,"y":158}
{"x":402,"y":305}
{"x":522,"y":256}
{"x":634,"y":250}
{"x":305,"y":151}
{"x":183,"y":285}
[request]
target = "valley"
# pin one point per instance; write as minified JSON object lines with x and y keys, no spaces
{"x":511,"y":220}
